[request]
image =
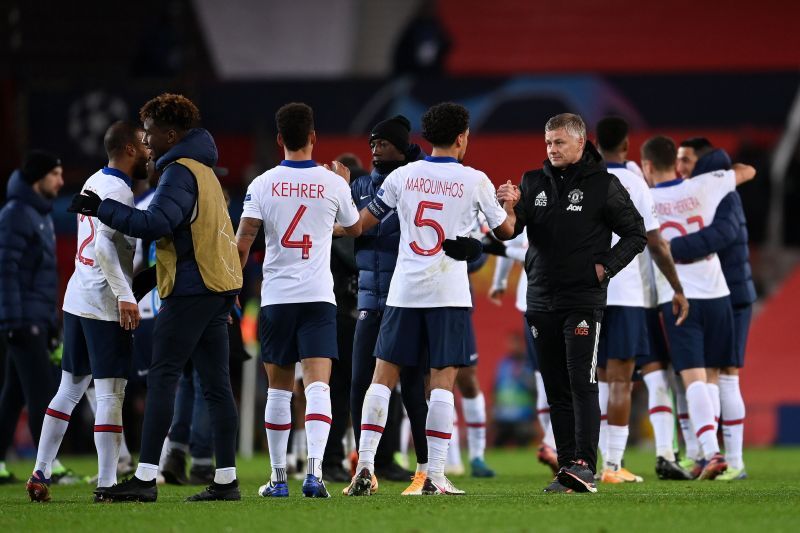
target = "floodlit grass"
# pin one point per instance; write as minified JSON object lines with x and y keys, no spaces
{"x":768,"y":501}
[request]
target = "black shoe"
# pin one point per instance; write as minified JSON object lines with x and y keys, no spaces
{"x":217,"y":492}
{"x":174,"y":470}
{"x":666,"y":469}
{"x":201,"y":475}
{"x":100,"y":495}
{"x":335,"y":473}
{"x":393,"y":472}
{"x":577,"y":477}
{"x":555,"y":487}
{"x":131,"y":490}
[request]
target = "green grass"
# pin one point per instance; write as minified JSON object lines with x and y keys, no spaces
{"x":768,"y":501}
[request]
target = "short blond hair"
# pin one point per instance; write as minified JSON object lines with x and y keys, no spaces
{"x":569,"y":121}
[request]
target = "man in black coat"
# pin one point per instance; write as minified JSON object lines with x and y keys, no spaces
{"x":570,"y":208}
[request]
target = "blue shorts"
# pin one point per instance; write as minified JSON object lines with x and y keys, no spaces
{"x":292,"y":332}
{"x":705,"y":340}
{"x":472,"y":342}
{"x":659,"y":351}
{"x":100,"y":348}
{"x":408,"y":335}
{"x":623,"y":334}
{"x":531,"y":348}
{"x":142,"y":350}
{"x":741,"y":328}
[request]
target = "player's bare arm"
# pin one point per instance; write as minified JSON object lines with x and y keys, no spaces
{"x":659,"y":250}
{"x":508,"y":195}
{"x":743,"y":172}
{"x":245,"y":235}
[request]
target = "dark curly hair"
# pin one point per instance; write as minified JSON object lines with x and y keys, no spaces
{"x":295,"y":121}
{"x":442,"y":123}
{"x":171,"y":111}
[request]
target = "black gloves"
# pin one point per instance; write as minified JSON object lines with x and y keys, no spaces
{"x":462,"y":248}
{"x":86,"y":203}
{"x":144,"y":282}
{"x":493,"y":246}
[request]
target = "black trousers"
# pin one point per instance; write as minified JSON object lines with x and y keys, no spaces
{"x":30,"y":380}
{"x":341,"y":378}
{"x":566,"y":342}
{"x":196,"y":328}
{"x":412,"y":385}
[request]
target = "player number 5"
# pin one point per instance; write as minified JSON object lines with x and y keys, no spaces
{"x":421,"y":221}
{"x":305,"y":243}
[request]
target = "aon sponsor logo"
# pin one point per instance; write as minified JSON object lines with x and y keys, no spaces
{"x":573,"y":207}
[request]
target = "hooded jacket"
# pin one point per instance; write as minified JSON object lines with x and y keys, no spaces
{"x":570,"y":214}
{"x":170,"y":211}
{"x":726,"y":236}
{"x":377,"y":249}
{"x":28,"y":276}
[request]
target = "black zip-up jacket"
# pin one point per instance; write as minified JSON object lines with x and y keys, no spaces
{"x":570,"y":214}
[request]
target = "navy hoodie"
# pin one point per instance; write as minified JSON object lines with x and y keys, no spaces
{"x":171,"y":208}
{"x":28,"y":276}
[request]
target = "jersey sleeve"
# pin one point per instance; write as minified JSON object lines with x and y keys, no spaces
{"x":346,"y":214}
{"x":717,"y":185}
{"x":121,"y":195}
{"x":647,"y":208}
{"x":252,"y":205}
{"x":486,"y":198}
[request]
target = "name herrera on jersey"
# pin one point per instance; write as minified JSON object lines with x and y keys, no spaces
{"x":678,"y":206}
{"x":299,"y":190}
{"x":434,"y":186}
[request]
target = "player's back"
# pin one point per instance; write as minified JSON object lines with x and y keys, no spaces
{"x":436,"y":199}
{"x":298,"y":203}
{"x":88,"y":291}
{"x":684,"y":207}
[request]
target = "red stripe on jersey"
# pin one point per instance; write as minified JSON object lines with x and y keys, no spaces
{"x":661,"y":409}
{"x":438,"y":434}
{"x":703,"y":429}
{"x":733,"y":422}
{"x":683,"y":416}
{"x":603,"y":417}
{"x":57,"y":414}
{"x":716,"y":419}
{"x":475,"y":425}
{"x":107,"y":428}
{"x":372,"y":427}
{"x":543,"y":411}
{"x":277,"y":427}
{"x":319,"y":418}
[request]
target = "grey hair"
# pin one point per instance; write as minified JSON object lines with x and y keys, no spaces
{"x":572,"y":123}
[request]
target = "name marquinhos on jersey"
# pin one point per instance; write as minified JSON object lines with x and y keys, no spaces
{"x":454,"y":189}
{"x":298,"y":190}
{"x":682,"y":205}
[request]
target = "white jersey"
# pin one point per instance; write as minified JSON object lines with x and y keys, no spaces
{"x":104,"y":259}
{"x":683,"y":207}
{"x":633,"y":285}
{"x":299,"y":202}
{"x":435,"y":199}
{"x":151,"y":303}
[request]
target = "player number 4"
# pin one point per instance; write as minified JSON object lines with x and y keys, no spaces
{"x":305,"y":243}
{"x":420,"y":221}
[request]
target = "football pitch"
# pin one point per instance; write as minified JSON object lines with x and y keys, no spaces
{"x":513,"y":501}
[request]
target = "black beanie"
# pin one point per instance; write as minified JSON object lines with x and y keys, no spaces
{"x":38,"y":164}
{"x":396,"y":130}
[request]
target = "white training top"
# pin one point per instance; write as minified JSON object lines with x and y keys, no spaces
{"x":151,"y":303}
{"x":104,"y":259}
{"x":633,"y":285}
{"x":299,"y":202}
{"x":683,"y":207}
{"x":435,"y":199}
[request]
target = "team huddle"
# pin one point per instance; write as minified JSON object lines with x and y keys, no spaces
{"x":622,"y":278}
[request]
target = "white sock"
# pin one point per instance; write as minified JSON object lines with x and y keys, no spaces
{"x":124,"y":452}
{"x":439,"y":429}
{"x":180,"y":446}
{"x":299,"y":443}
{"x":91,"y":398}
{"x":713,"y":392}
{"x":202,"y":461}
{"x":733,"y":414}
{"x":318,"y":424}
{"x":224,"y":476}
{"x":278,"y":423}
{"x":422,"y":467}
{"x":374,"y":414}
{"x":687,"y":429}
{"x":543,"y":412}
{"x":659,"y":404}
{"x":110,"y":394}
{"x":70,"y":391}
{"x":617,"y":441}
{"x":405,"y":435}
{"x":475,"y":418}
{"x":701,"y":411}
{"x":603,"y":398}
{"x":454,"y":450}
{"x":146,"y":472}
